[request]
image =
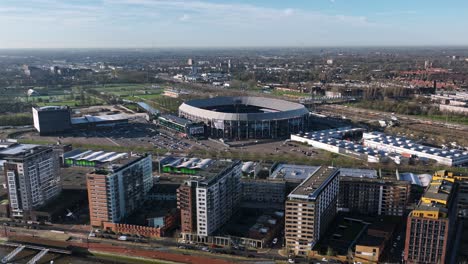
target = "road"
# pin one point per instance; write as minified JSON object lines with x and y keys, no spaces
{"x":169,"y":245}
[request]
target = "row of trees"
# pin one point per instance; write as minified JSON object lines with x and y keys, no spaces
{"x":16,"y":119}
{"x":419,"y":107}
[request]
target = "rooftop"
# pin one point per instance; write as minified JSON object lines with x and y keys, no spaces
{"x":313,"y":185}
{"x":96,"y":119}
{"x":359,"y":173}
{"x":437,"y":197}
{"x":371,"y":241}
{"x":90,"y":156}
{"x":21,"y":150}
{"x":408,"y":144}
{"x":115,"y":166}
{"x":148,"y":108}
{"x":333,"y":137}
{"x":187,"y":163}
{"x":52,"y":108}
{"x":215,"y":169}
{"x":291,"y":172}
{"x":176,"y":119}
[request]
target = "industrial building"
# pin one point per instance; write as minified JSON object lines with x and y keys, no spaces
{"x":58,"y":119}
{"x":238,"y":118}
{"x":310,"y":208}
{"x":103,"y":121}
{"x":431,"y":225}
{"x":339,"y":141}
{"x":366,"y":194}
{"x":31,"y":175}
{"x":182,"y":126}
{"x":118,"y":188}
{"x":405,"y":147}
{"x":52,"y":119}
{"x":210,"y":198}
{"x":376,"y":146}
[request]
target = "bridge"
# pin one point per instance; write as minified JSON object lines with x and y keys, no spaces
{"x":13,"y":254}
{"x":37,"y":257}
{"x":42,"y":252}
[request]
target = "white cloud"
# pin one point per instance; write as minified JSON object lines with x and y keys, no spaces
{"x":185,"y":17}
{"x":288,"y":11}
{"x":128,"y":22}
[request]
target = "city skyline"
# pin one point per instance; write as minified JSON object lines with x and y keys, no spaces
{"x":204,"y":23}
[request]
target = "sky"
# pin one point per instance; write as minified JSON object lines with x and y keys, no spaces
{"x":235,"y":23}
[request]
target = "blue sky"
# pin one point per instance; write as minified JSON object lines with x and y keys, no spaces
{"x":241,"y":23}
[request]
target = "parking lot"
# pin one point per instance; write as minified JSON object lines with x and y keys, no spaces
{"x":138,"y":134}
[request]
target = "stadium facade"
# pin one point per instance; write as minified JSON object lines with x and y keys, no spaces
{"x":239,"y":118}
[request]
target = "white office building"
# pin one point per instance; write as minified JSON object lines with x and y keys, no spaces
{"x":218,"y":195}
{"x":32,"y":174}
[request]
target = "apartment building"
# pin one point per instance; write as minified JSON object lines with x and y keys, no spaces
{"x":117,"y":189}
{"x":187,"y":204}
{"x":31,"y":175}
{"x":310,"y":208}
{"x":373,"y":196}
{"x":431,"y":225}
{"x":210,"y":198}
{"x":462,"y":189}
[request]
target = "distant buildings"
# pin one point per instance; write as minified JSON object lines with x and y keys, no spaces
{"x":309,"y":210}
{"x":377,"y":146}
{"x":182,"y":126}
{"x":407,"y":147}
{"x":209,"y":199}
{"x":57,"y":119}
{"x":118,"y":189}
{"x":431,"y":225}
{"x":174,"y":93}
{"x":31,"y":175}
{"x":339,"y":140}
{"x":51,"y":119}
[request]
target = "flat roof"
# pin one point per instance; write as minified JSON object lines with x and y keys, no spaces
{"x":17,"y":149}
{"x":104,"y":118}
{"x":410,"y":145}
{"x":333,"y":138}
{"x":74,"y":178}
{"x":293,"y":172}
{"x":437,"y":191}
{"x":215,"y":169}
{"x":360,"y":173}
{"x":371,"y":241}
{"x":52,"y":108}
{"x":176,"y":119}
{"x":148,"y":108}
{"x":314,"y":184}
{"x":115,"y":166}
